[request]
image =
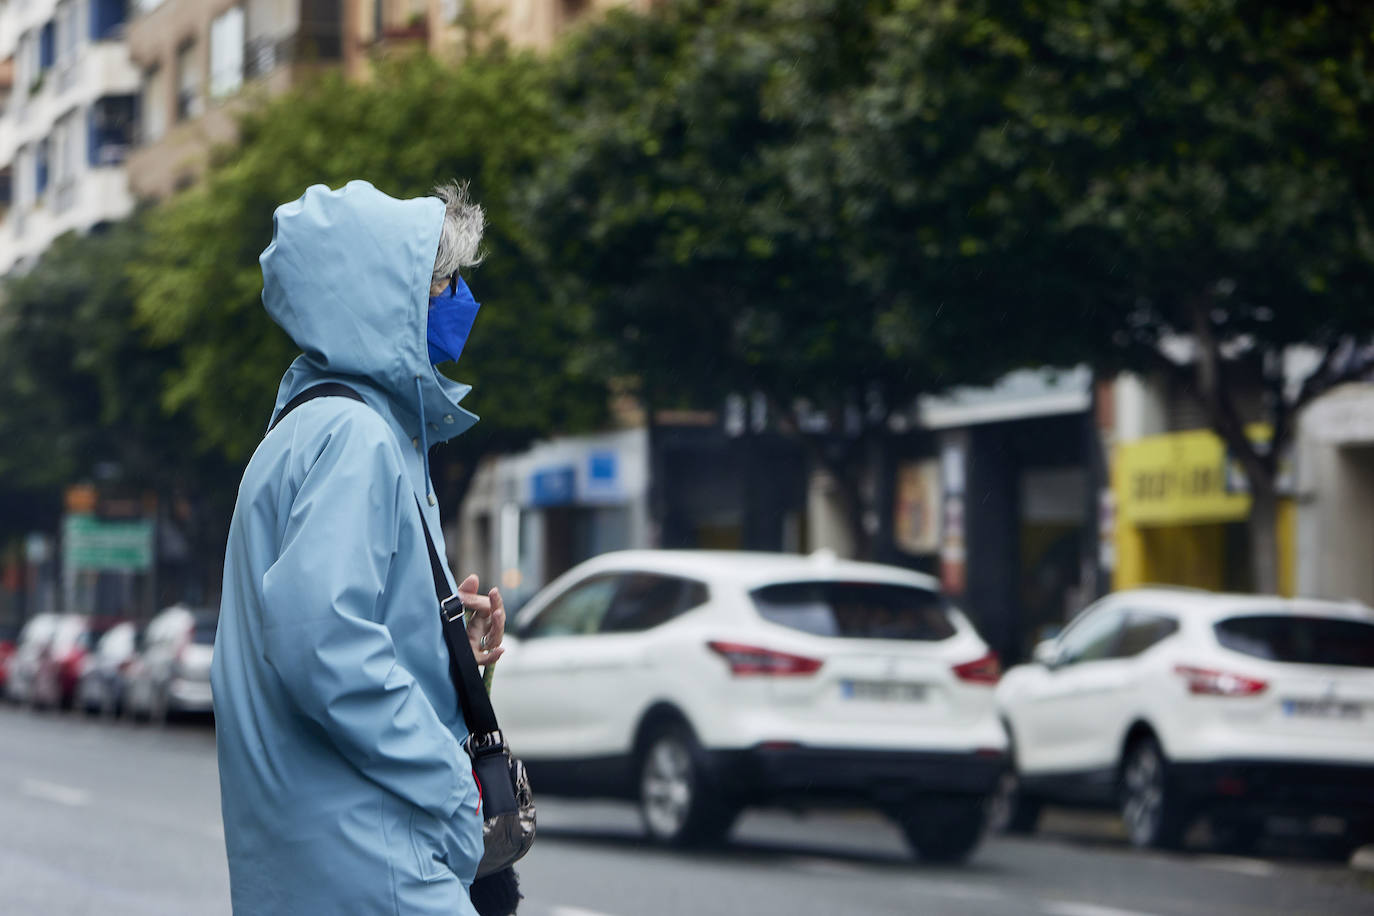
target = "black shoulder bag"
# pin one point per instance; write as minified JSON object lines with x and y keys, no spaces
{"x":508,"y":824}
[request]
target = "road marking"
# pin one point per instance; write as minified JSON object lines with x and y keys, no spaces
{"x":958,"y":891}
{"x":51,"y":791}
{"x":1253,"y":867}
{"x":574,"y":911}
{"x":1069,"y":908}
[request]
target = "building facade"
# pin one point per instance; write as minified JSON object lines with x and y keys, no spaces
{"x":68,"y":103}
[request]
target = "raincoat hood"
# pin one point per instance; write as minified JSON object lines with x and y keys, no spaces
{"x":347,"y":277}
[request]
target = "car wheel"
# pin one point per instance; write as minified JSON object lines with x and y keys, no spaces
{"x":944,"y":830}
{"x":1010,"y":810}
{"x":679,"y":804}
{"x":1149,"y":808}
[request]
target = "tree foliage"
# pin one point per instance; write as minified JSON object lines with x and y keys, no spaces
{"x":415,"y":123}
{"x":854,"y":202}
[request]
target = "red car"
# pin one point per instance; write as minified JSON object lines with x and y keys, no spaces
{"x":59,"y":668}
{"x":7,"y":642}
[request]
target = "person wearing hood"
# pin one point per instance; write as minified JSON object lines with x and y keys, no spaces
{"x":343,"y":781}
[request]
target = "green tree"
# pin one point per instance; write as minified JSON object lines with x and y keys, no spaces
{"x":415,"y":123}
{"x":1181,"y":187}
{"x":686,"y":208}
{"x":81,"y":394}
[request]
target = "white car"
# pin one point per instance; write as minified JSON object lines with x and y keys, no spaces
{"x":171,"y":671}
{"x":1176,"y":703}
{"x":698,"y":683}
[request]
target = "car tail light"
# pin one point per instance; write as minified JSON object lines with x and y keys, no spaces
{"x":984,"y":670}
{"x":746,"y":660}
{"x":1209,"y":682}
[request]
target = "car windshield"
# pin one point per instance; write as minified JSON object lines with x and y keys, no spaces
{"x":1301,"y":640}
{"x":857,"y":610}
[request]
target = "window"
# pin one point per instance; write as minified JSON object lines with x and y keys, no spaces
{"x":646,"y":600}
{"x":154,"y":105}
{"x":40,"y":167}
{"x":112,"y":126}
{"x":1093,"y":637}
{"x":1143,"y":631}
{"x":188,"y":82}
{"x":226,"y":53}
{"x":576,"y":612}
{"x":68,"y":33}
{"x":857,"y":610}
{"x":1300,"y":640}
{"x":47,"y":45}
{"x":67,"y":146}
{"x":29,"y":69}
{"x":106,"y":17}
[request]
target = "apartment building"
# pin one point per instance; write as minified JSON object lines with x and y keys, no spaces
{"x":68,"y":96}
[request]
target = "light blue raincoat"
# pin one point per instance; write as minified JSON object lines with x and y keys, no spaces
{"x":343,"y":783}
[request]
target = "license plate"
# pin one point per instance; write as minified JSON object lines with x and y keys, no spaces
{"x":883,"y":691}
{"x":1324,"y":709}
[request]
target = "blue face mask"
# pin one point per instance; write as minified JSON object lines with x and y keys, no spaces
{"x":451,"y":314}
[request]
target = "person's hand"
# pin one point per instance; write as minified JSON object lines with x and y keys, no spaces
{"x":488,"y":623}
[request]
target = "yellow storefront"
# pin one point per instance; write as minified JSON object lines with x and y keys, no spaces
{"x":1181,"y":508}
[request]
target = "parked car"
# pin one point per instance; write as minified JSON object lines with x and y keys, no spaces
{"x":698,"y":683}
{"x":28,"y":655}
{"x":1174,"y":704}
{"x":9,"y":637}
{"x":60,"y":666}
{"x":171,"y":671}
{"x":100,"y":688}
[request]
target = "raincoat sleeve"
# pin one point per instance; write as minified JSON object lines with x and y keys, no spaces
{"x":336,"y":661}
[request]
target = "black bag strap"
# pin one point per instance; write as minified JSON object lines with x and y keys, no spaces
{"x":467,"y":680}
{"x":472,"y":693}
{"x":325,"y":390}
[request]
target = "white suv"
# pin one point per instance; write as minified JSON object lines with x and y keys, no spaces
{"x":1176,"y":704}
{"x":699,"y":682}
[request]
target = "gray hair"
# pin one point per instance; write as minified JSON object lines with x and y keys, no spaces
{"x":461,"y":239}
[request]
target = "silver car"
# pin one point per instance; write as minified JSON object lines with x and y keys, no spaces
{"x":100,"y":688}
{"x":171,"y":673}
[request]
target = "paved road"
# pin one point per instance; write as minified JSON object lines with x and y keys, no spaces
{"x":118,"y":820}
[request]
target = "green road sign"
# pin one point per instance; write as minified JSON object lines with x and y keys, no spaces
{"x":89,"y":543}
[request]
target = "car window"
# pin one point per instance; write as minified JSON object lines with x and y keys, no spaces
{"x":1301,"y":640}
{"x":1091,"y":638}
{"x":1143,"y":630}
{"x":578,"y":611}
{"x":647,"y":600}
{"x":857,"y":610}
{"x":204,"y":632}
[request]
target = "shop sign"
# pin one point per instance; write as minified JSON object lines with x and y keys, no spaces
{"x":1181,"y":478}
{"x":916,"y":515}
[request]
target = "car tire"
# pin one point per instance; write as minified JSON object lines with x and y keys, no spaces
{"x":1010,"y":809}
{"x":678,"y":801}
{"x":1150,"y":807}
{"x":944,"y":830}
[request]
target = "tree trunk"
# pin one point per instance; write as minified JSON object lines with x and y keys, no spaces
{"x":1264,"y":536}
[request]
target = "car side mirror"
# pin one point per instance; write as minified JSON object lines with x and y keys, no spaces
{"x":1046,"y":653}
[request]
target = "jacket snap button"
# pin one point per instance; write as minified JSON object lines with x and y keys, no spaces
{"x":448,"y":418}
{"x":415,"y":441}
